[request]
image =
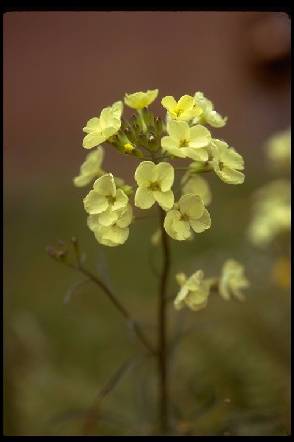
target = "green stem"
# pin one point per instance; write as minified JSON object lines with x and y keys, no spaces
{"x":162,"y":326}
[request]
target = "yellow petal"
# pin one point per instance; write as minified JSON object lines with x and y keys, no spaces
{"x":185,"y":102}
{"x":95,"y":203}
{"x":125,"y":217}
{"x":176,"y":227}
{"x":82,"y":180}
{"x":93,"y":139}
{"x":144,"y":173}
{"x":164,"y":199}
{"x":108,"y":217}
{"x":121,"y":200}
{"x":93,"y":125}
{"x":199,"y":136}
{"x":202,"y":223}
{"x":191,"y":205}
{"x":169,"y":103}
{"x":105,"y":185}
{"x":164,"y":174}
{"x":178,"y":129}
{"x":144,"y":198}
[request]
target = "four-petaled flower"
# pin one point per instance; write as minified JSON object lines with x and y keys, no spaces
{"x":91,"y":168}
{"x":232,"y":280}
{"x":188,"y":213}
{"x":115,"y":234}
{"x":139,"y":100}
{"x":154,"y":184}
{"x":100,"y":129}
{"x":185,"y":109}
{"x":208,"y":115}
{"x":226,"y":162}
{"x":105,"y":200}
{"x":186,"y":142}
{"x":194,"y":291}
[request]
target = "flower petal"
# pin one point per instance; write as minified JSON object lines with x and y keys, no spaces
{"x":144,"y":173}
{"x":215,"y":119}
{"x":93,"y":139}
{"x":164,"y":199}
{"x":199,"y":136}
{"x":105,"y":185}
{"x":179,"y":301}
{"x":232,"y":159}
{"x":126,"y":217}
{"x":111,"y":236}
{"x":185,"y":102}
{"x":178,"y":129}
{"x":93,"y":125}
{"x":169,"y":103}
{"x":201,"y":224}
{"x":176,"y":227}
{"x":95,"y":203}
{"x":82,"y":180}
{"x":230,"y":176}
{"x":196,"y":154}
{"x":121,"y":200}
{"x":191,"y":205}
{"x":144,"y":198}
{"x":108,"y":217}
{"x":93,"y":222}
{"x":164,"y":174}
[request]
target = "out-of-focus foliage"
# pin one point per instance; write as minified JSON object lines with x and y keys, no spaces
{"x":233,"y":358}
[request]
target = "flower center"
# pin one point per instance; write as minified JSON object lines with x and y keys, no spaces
{"x":111,"y":199}
{"x":184,"y":217}
{"x":184,"y":142}
{"x":154,"y":186}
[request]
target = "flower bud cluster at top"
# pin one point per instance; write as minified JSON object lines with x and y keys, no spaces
{"x":155,"y":142}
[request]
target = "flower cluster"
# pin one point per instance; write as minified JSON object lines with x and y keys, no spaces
{"x":272,"y":212}
{"x":195,"y":290}
{"x":272,"y":202}
{"x":182,"y":134}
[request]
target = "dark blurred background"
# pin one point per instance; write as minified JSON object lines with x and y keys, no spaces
{"x":60,"y":69}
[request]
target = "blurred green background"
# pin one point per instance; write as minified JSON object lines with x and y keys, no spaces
{"x":229,"y":373}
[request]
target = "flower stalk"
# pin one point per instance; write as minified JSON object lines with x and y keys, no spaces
{"x":162,"y":331}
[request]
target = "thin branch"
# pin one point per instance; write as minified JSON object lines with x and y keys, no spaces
{"x":124,"y":312}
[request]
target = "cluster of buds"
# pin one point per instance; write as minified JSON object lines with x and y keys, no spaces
{"x":182,"y":134}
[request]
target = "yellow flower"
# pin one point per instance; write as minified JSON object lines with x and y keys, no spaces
{"x":226,"y":162}
{"x":272,"y":212}
{"x":115,"y":234}
{"x":91,"y":168}
{"x":139,"y":100}
{"x":197,"y":185}
{"x":279,"y":149}
{"x":154,"y":184}
{"x":194,"y":291}
{"x":105,"y":200}
{"x":188,"y":213}
{"x":100,"y":129}
{"x":208,"y":115}
{"x":186,"y":142}
{"x":184,"y":110}
{"x":232,"y":280}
